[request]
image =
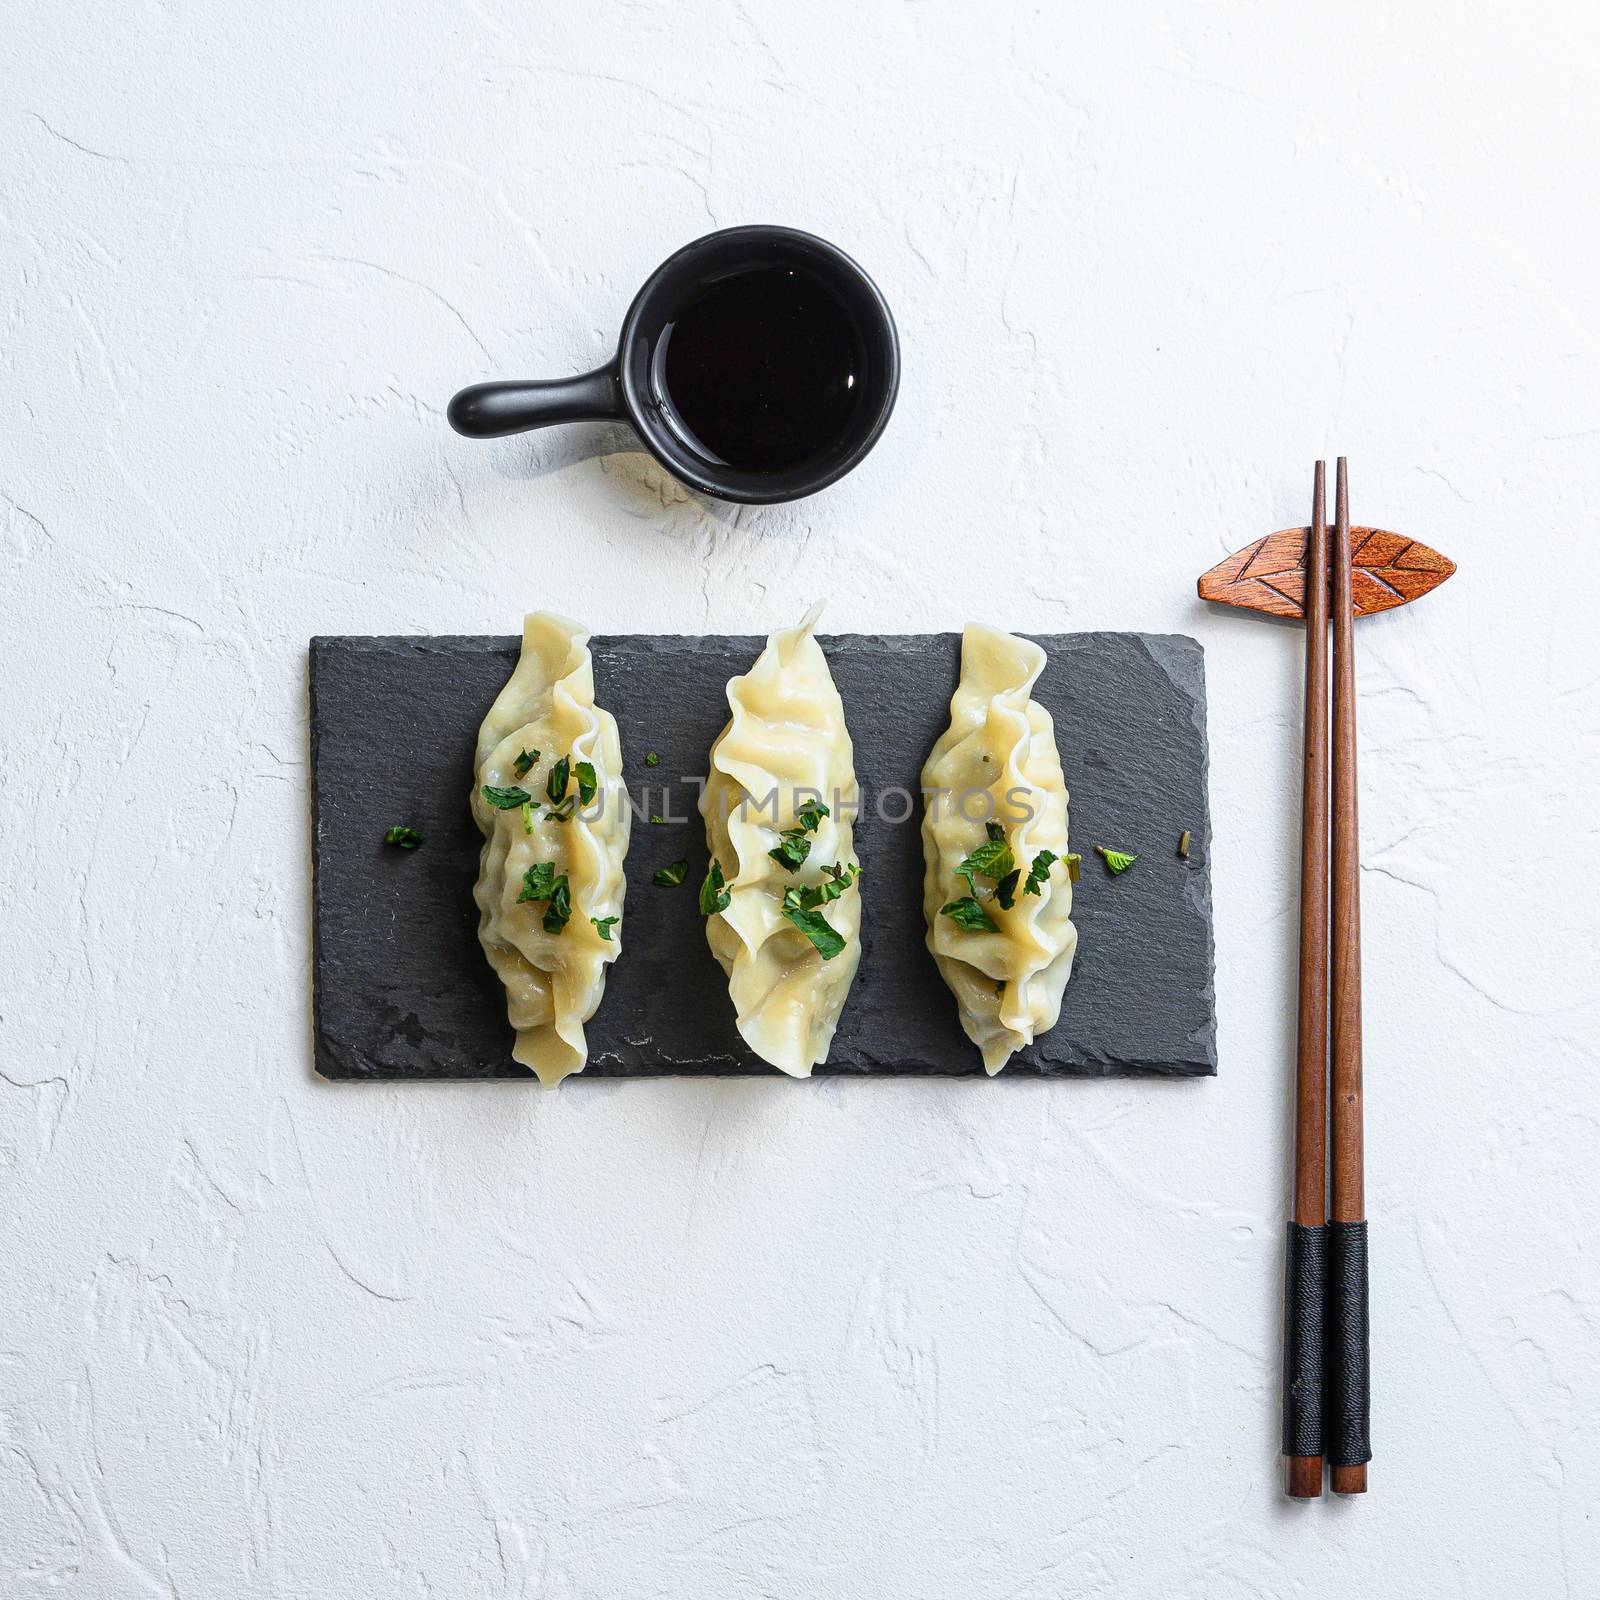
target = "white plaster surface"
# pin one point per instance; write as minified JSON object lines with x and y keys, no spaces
{"x":262,"y":1336}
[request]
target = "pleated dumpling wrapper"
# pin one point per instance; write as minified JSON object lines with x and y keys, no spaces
{"x":554,"y":814}
{"x":783,"y":908}
{"x":996,"y":889}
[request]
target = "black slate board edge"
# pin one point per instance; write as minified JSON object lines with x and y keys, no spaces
{"x":1166,"y":650}
{"x":1178,"y":658}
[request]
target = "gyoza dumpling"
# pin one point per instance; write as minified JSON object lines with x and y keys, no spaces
{"x":779,"y":807}
{"x":996,"y":891}
{"x":553,"y":809}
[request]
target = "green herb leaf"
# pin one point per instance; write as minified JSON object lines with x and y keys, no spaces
{"x":811,"y":815}
{"x":587,"y":786}
{"x":1116,"y":860}
{"x":603,"y":926}
{"x":995,"y":831}
{"x":1040,"y":870}
{"x":1006,"y":890}
{"x":808,"y":896}
{"x":658,"y":821}
{"x":714,"y":896}
{"x":559,"y":912}
{"x":824,"y":937}
{"x":992,"y":859}
{"x":525,"y":763}
{"x":1073,"y":861}
{"x":527,"y":815}
{"x":671,"y":875}
{"x":794,"y":849}
{"x":651,"y":759}
{"x":404,"y":838}
{"x":556,"y":784}
{"x":967,"y":913}
{"x":539,"y":882}
{"x":838,"y":880}
{"x":506,"y":799}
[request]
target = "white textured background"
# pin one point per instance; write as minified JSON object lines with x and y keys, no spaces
{"x":260,"y":1336}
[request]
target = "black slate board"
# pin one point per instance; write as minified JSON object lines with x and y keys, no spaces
{"x":402,"y":990}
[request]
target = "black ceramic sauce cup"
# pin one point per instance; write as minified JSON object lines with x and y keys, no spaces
{"x":693,"y":284}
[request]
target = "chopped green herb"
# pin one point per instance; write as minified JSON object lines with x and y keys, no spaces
{"x":801,"y":903}
{"x":1073,"y":862}
{"x":542,"y":883}
{"x":794,"y":847}
{"x":793,"y":850}
{"x":1183,"y":845}
{"x":404,"y":838}
{"x":658,"y":821}
{"x":967,"y":913}
{"x":838,"y":880}
{"x":1006,"y":890}
{"x":671,"y":875}
{"x":807,"y":897}
{"x":587,"y":786}
{"x":824,"y":937}
{"x":559,"y":912}
{"x":556,"y":784}
{"x":538,"y":882}
{"x":651,"y":759}
{"x":1116,"y":860}
{"x":525,"y":763}
{"x":714,"y":896}
{"x":603,"y":926}
{"x":992,"y":859}
{"x":506,"y":799}
{"x":811,"y":815}
{"x":1040,"y":870}
{"x":995,"y":831}
{"x":527,"y":815}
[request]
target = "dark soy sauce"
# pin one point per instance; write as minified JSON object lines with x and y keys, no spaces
{"x":761,"y":371}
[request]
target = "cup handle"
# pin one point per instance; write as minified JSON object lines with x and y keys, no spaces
{"x":492,"y":410}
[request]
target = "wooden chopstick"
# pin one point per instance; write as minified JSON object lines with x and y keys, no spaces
{"x":1346,"y":1410}
{"x":1303,"y":1332}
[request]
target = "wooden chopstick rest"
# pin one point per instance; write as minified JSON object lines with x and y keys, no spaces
{"x":1269,"y":576}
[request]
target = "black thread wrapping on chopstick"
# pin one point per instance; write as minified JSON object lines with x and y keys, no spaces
{"x":1304,"y":1284}
{"x":1348,"y":1408}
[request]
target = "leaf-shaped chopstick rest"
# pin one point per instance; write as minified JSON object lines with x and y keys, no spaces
{"x":1270,"y":575}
